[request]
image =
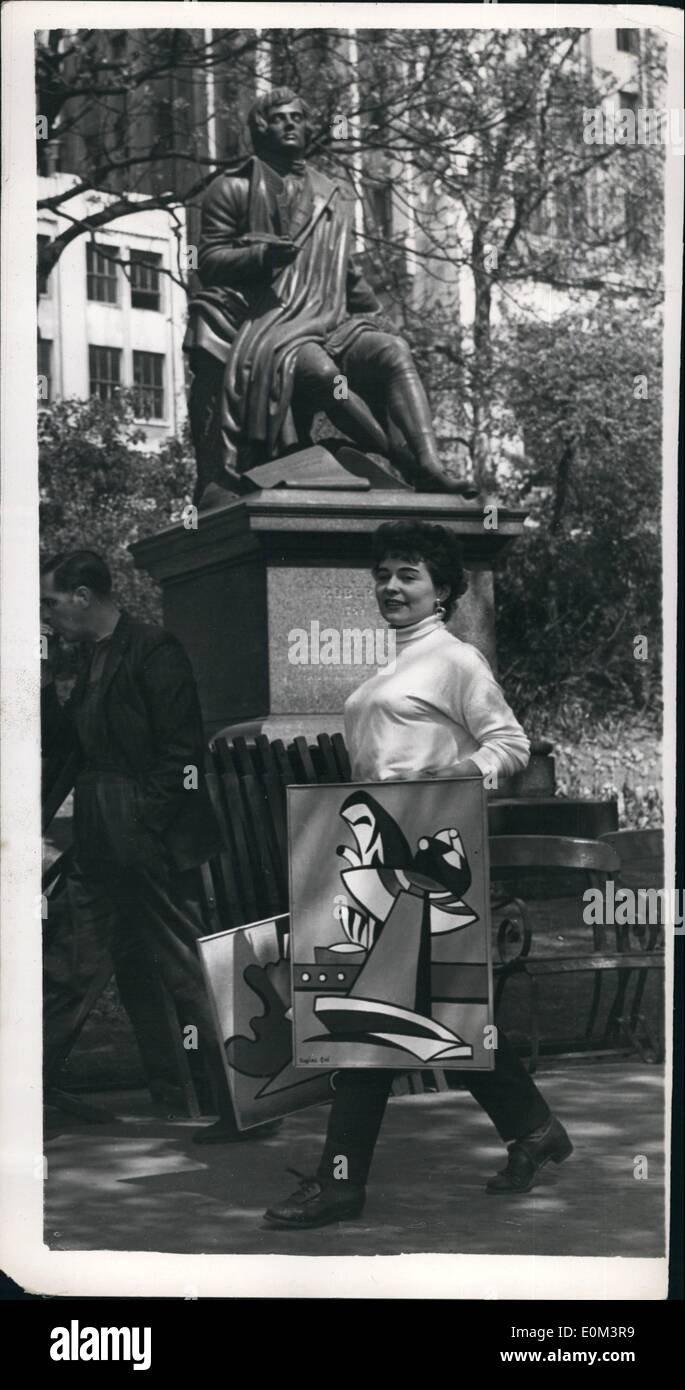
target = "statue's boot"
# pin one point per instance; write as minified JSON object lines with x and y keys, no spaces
{"x":427,"y":479}
{"x":355,"y":418}
{"x":409,"y":409}
{"x":391,"y":372}
{"x":383,"y":365}
{"x":418,"y":460}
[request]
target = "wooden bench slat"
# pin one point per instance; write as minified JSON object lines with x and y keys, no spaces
{"x":274,"y":792}
{"x":286,"y":772}
{"x":266,"y":758}
{"x":271,"y":883}
{"x":301,"y":751}
{"x":266,"y":802}
{"x":270,"y":891}
{"x":546,"y":854}
{"x":342,"y":757}
{"x":234,"y":901}
{"x":223,"y":752}
{"x":242,"y":757}
{"x":328,"y":758}
{"x":564,"y":965}
{"x":240,"y":829}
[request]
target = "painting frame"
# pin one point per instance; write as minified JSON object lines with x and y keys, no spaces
{"x":416,"y":880}
{"x":246,"y":969}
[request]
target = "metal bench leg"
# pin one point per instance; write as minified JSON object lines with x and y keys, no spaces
{"x":615,"y":1019}
{"x":637,"y":1020}
{"x":594,"y":1007}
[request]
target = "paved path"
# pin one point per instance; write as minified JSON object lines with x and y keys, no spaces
{"x":140,"y":1184}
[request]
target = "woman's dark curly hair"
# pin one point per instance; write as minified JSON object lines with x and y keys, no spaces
{"x":439,"y":549}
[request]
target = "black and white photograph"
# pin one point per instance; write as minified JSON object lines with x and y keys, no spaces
{"x":348,"y":460}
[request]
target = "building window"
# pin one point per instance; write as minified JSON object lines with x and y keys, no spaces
{"x":163,"y":119}
{"x":628,"y":41}
{"x":536,"y":216}
{"x":43,"y":286}
{"x":570,"y":210}
{"x":629,"y":101}
{"x":540,"y":219}
{"x":44,"y":370}
{"x":145,"y":292}
{"x":276,"y":61}
{"x":105,"y":371}
{"x":148,"y":378}
{"x":380,"y":207}
{"x":634,"y":222}
{"x":101,"y":274}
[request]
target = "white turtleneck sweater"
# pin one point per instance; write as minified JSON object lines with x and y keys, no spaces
{"x":435,"y":706}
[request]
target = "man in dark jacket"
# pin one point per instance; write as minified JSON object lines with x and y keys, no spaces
{"x":143,"y":819}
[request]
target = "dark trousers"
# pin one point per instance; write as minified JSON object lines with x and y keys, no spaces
{"x":144,"y":921}
{"x":386,"y":408}
{"x":507,"y":1094}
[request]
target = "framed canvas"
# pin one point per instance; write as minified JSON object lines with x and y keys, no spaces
{"x":247,"y":973}
{"x":390,"y":920}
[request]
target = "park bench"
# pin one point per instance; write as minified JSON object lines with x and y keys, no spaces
{"x":641,"y":854}
{"x":526,"y":946}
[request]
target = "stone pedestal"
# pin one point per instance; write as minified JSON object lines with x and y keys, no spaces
{"x":273,"y":599}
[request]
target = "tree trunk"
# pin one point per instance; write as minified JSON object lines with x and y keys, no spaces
{"x":482,"y":369}
{"x":561,"y":489}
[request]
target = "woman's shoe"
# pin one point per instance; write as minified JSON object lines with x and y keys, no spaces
{"x":317,"y":1204}
{"x":528,"y":1155}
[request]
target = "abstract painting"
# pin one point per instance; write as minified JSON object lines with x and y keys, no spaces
{"x":390,"y":921}
{"x":247,"y":972}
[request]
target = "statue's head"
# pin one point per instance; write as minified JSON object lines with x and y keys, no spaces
{"x":278,"y":123}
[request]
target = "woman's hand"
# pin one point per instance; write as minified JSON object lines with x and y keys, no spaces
{"x":467,"y":769}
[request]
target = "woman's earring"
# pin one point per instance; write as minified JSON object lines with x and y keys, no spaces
{"x":440,"y":610}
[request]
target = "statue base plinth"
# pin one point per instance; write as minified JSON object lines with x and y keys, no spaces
{"x":273,"y":598}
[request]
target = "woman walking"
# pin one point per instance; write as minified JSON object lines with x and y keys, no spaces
{"x":437,"y":711}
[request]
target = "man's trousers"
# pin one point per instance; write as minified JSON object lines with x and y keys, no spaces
{"x":144,"y":921}
{"x":507,"y":1094}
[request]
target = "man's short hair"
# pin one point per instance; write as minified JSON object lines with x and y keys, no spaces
{"x":259,"y":111}
{"x":76,"y":567}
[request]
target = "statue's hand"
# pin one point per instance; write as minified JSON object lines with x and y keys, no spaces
{"x":281,"y":253}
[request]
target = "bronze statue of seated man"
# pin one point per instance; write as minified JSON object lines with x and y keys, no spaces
{"x":286,"y":326}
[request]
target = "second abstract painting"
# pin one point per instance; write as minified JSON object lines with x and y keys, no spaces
{"x":248,"y":979}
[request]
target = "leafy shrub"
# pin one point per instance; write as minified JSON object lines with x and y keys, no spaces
{"x":584,"y":581}
{"x":101,"y":489}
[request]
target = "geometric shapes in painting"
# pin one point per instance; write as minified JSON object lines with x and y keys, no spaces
{"x":391,"y":946}
{"x":247,"y":972}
